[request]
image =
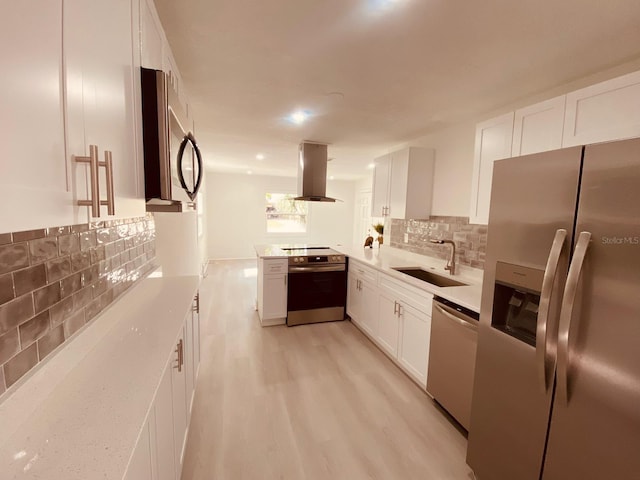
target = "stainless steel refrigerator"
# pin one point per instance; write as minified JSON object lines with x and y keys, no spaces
{"x":557,"y":386}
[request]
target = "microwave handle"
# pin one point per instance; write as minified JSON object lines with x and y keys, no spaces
{"x":188,"y":138}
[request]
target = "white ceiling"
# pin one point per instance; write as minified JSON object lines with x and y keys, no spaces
{"x":403,"y":68}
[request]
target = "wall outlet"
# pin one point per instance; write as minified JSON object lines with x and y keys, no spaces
{"x":406,"y":238}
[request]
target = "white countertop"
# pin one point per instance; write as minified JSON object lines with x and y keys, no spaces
{"x":385,"y":258}
{"x":80,"y":414}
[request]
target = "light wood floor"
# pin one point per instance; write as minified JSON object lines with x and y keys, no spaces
{"x":312,"y":402}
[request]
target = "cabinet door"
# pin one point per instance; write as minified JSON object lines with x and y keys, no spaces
{"x":188,"y":362}
{"x":414,"y":342}
{"x":140,"y":463}
{"x":538,"y":128}
{"x":163,"y":410}
{"x":398,"y":183}
{"x":369,"y":308}
{"x":388,"y":324}
{"x":275,"y":296}
{"x":603,"y":112}
{"x":196,"y":338}
{"x":33,"y":178}
{"x":353,"y":298}
{"x":179,"y":389}
{"x":101,"y":99}
{"x":493,"y":142}
{"x":381,"y":181}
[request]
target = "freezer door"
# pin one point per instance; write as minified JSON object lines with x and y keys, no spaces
{"x":532,"y":198}
{"x":596,"y":433}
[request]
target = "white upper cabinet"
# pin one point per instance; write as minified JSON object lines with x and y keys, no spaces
{"x":381,"y":182}
{"x":538,"y":128}
{"x":603,"y":112}
{"x":493,"y":142}
{"x":34,"y":191}
{"x":101,"y":103}
{"x":403,"y":184}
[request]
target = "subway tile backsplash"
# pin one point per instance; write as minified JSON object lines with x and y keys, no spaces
{"x":470,"y":240}
{"x":53,"y":281}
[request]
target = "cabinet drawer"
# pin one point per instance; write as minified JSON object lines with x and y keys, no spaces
{"x":366,"y":273}
{"x":279,"y":265}
{"x":404,"y":292}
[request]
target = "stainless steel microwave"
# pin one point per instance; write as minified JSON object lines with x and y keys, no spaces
{"x":172,"y":160}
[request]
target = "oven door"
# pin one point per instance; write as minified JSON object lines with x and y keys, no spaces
{"x":319,"y":287}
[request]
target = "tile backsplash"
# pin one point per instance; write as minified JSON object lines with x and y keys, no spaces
{"x":470,"y":240}
{"x":55,"y":280}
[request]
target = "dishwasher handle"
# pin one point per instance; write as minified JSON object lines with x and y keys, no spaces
{"x":455,"y":318}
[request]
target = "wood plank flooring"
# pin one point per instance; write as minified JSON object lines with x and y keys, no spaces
{"x":312,"y":402}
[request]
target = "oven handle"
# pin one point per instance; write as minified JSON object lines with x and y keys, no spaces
{"x":318,"y":268}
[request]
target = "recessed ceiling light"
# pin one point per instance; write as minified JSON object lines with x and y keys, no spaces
{"x":331,"y":177}
{"x":371,"y":165}
{"x":260,"y":156}
{"x":249,"y":172}
{"x":298,"y":117}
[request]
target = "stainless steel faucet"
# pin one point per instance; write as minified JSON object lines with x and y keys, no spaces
{"x":451,"y":263}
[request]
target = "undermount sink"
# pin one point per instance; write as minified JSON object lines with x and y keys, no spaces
{"x":429,"y":277}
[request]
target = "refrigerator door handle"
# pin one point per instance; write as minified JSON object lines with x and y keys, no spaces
{"x":566,"y":314}
{"x":545,"y":372}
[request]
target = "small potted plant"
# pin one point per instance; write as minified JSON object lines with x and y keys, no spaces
{"x":379,"y":227}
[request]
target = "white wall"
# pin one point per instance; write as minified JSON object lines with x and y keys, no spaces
{"x":236,"y":217}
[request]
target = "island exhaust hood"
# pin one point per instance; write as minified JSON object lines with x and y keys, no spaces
{"x":312,"y":173}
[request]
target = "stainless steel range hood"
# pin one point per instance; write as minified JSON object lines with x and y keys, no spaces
{"x":312,"y":173}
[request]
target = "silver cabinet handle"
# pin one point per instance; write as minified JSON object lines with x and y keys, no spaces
{"x":94,"y":200}
{"x":395,"y":308}
{"x":285,"y":279}
{"x":457,"y":320}
{"x":566,"y":313}
{"x":400,"y":312}
{"x":546,"y":365}
{"x":196,"y":303}
{"x":179,"y":350}
{"x":108,"y":165}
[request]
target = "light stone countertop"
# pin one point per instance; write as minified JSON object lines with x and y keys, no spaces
{"x":79,"y":415}
{"x":385,"y":258}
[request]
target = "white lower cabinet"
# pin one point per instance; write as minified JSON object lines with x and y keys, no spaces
{"x":362,"y":297}
{"x":396,"y":316}
{"x":141,"y":465}
{"x":388,"y":324}
{"x":272,"y":290}
{"x":413,"y":351}
{"x":164,"y":444}
{"x":159,"y":452}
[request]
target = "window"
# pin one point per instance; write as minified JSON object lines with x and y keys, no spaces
{"x":284,"y":214}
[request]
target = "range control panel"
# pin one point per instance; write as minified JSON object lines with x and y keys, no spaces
{"x":316,"y":259}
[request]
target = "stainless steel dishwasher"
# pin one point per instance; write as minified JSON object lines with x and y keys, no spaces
{"x":452,"y":358}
